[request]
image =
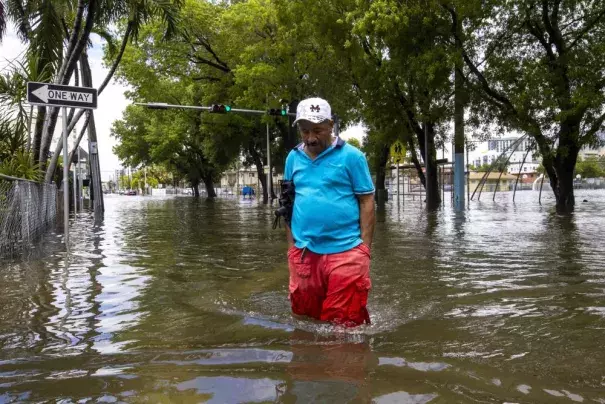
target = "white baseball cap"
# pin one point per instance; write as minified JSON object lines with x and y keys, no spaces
{"x":315,"y":110}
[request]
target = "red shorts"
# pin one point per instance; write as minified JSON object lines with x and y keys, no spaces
{"x":331,"y":287}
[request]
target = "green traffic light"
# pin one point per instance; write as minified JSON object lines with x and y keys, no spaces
{"x":227,"y":108}
{"x":283,"y":112}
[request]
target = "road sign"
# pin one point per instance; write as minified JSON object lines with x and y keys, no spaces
{"x":398,"y":152}
{"x":56,"y":95}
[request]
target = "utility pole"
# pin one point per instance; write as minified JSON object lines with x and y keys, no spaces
{"x":459,"y":168}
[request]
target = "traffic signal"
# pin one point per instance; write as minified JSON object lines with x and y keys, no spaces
{"x":277,"y":112}
{"x":220,"y":108}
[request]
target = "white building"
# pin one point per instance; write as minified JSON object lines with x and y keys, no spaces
{"x":488,"y":152}
{"x":234,"y":180}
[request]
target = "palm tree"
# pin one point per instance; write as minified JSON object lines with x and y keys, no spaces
{"x":138,"y":12}
{"x":57,"y":33}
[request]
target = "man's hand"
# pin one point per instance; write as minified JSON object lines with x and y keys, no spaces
{"x":289,"y":237}
{"x":367,"y":218}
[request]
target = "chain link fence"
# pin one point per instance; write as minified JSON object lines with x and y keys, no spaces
{"x":27,"y":209}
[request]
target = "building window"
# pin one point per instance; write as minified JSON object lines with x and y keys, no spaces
{"x":252,"y":175}
{"x":524,"y":168}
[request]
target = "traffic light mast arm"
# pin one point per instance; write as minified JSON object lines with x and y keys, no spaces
{"x":161,"y":105}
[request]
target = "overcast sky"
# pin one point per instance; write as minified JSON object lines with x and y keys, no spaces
{"x":111,"y":102}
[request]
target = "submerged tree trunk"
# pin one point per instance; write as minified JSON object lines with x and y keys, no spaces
{"x":426,"y":139}
{"x":564,"y":192}
{"x":258,"y":163}
{"x":380,"y":169}
{"x":209,"y":183}
{"x":433,"y":196}
{"x":564,"y":165}
{"x":195,"y":185}
{"x":560,"y":164}
{"x":381,"y":163}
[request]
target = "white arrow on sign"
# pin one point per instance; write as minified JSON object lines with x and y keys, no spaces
{"x":45,"y":94}
{"x":42,"y":93}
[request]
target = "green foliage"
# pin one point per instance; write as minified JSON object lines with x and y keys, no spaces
{"x":354,"y":142}
{"x":537,"y":66}
{"x":387,"y":63}
{"x":590,"y":167}
{"x":21,"y":165}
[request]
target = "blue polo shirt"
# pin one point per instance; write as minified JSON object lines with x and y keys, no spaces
{"x":326,"y":210}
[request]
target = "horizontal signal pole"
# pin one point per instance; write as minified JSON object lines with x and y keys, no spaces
{"x":161,"y":105}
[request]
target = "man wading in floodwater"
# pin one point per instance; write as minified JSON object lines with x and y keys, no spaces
{"x":332,"y":224}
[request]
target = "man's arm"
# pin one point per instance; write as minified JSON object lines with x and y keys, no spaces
{"x":367,"y":218}
{"x":289,"y":237}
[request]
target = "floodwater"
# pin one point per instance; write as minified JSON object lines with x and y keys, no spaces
{"x":182,"y":300}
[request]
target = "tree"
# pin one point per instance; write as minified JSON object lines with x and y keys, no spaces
{"x":56,"y":34}
{"x":137,"y":12}
{"x":589,"y":168}
{"x":396,"y":66}
{"x":538,"y":67}
{"x":354,"y":142}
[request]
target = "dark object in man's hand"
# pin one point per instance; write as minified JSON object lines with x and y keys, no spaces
{"x":286,"y":203}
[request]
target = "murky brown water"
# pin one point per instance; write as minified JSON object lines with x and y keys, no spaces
{"x":177,"y":300}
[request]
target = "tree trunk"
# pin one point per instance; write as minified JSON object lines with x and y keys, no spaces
{"x":40,"y":117}
{"x":209,"y":183}
{"x":195,"y":185}
{"x":564,"y":192}
{"x":416,"y":162}
{"x":564,"y":164}
{"x":380,"y":168}
{"x":433,"y":196}
{"x":258,"y":162}
{"x":271,"y":184}
{"x":95,"y":168}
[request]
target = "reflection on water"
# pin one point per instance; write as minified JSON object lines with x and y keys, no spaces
{"x":182,"y":300}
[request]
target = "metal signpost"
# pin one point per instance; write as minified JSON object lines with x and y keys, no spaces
{"x":57,"y":95}
{"x":398,"y":153}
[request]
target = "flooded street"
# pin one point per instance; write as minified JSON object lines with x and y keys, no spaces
{"x":184,"y":300}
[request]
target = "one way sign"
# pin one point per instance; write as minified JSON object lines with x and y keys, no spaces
{"x":56,"y":95}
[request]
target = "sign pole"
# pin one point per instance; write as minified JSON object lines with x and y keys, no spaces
{"x":75,"y":181}
{"x":65,"y":182}
{"x":80,"y":185}
{"x":398,"y":181}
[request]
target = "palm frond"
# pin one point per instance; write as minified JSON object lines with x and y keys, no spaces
{"x":106,"y":35}
{"x":47,"y":36}
{"x":169,"y":11}
{"x":20,"y":14}
{"x":2,"y":20}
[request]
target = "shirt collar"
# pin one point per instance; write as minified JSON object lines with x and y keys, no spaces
{"x":338,"y":142}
